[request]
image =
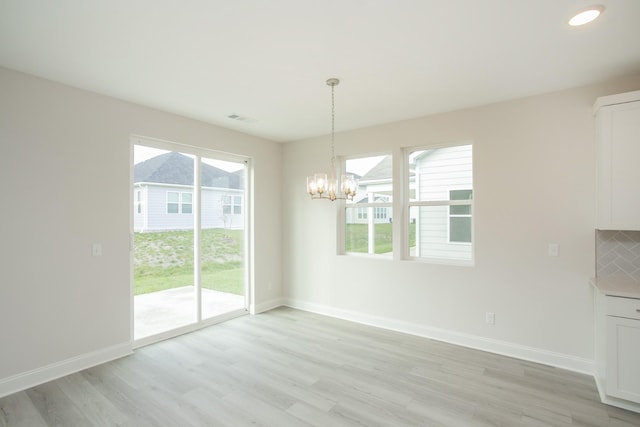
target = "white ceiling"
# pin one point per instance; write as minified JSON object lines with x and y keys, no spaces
{"x":268,"y":60}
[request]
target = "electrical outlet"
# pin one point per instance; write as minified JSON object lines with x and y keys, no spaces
{"x":490,"y":318}
{"x":554,"y":249}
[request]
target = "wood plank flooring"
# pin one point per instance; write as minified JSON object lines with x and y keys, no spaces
{"x":293,"y":368}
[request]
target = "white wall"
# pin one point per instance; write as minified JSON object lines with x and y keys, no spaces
{"x":65,"y":181}
{"x":68,"y":150}
{"x":534,"y":169}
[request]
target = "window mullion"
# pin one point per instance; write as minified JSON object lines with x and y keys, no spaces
{"x":197,"y":234}
{"x":401,"y":193}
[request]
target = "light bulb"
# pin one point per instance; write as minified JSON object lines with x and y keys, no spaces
{"x":585,"y":16}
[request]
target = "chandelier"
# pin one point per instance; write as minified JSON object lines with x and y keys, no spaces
{"x":321,"y":186}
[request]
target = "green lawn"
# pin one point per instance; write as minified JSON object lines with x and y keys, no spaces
{"x":357,"y":237}
{"x":164,"y":260}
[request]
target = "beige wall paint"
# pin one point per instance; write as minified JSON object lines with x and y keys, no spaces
{"x":65,"y":177}
{"x":534,"y":168}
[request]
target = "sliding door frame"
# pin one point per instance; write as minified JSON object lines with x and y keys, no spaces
{"x":198,"y":153}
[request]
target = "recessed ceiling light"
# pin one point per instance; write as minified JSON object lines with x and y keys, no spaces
{"x":587,"y":15}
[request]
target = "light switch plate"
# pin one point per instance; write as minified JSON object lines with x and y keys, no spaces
{"x":96,"y":249}
{"x":490,"y":318}
{"x":554,"y":249}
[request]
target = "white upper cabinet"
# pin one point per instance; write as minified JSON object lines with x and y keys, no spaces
{"x":618,"y":161}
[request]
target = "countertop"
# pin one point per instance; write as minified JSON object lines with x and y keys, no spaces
{"x":617,"y":286}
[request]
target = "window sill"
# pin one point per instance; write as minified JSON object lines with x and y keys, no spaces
{"x":441,"y":261}
{"x":387,"y":256}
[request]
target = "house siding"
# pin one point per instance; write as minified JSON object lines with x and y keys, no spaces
{"x":438,"y":173}
{"x":213,"y":215}
{"x":155,"y":217}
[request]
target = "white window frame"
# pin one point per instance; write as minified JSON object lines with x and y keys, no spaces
{"x":369,"y":208}
{"x":406,"y":204}
{"x":249,"y":238}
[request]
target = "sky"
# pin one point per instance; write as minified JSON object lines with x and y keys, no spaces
{"x":359,"y":166}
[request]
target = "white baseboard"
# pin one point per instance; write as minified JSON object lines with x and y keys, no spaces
{"x":609,"y":400}
{"x":266,"y":306}
{"x":51,"y":372}
{"x":56,"y":370}
{"x":559,"y":360}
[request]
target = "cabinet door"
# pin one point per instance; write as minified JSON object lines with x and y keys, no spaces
{"x":619,"y":166}
{"x":623,"y":358}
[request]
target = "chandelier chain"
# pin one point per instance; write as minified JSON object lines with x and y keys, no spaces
{"x":333,"y":130}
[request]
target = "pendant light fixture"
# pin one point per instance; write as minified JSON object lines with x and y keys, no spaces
{"x":323,"y":186}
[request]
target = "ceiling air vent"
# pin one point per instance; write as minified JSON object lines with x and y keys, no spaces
{"x":240,"y":118}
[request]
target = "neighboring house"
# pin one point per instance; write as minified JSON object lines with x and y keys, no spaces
{"x":374,"y":186}
{"x":380,"y":214}
{"x":163,"y":195}
{"x":444,"y":231}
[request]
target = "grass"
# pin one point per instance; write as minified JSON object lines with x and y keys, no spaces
{"x":164,"y":260}
{"x":357,"y":237}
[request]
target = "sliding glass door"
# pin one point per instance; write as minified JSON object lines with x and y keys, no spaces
{"x":223,"y":236}
{"x":189,"y":231}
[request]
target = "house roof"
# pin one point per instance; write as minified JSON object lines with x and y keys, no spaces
{"x":380,"y":171}
{"x":176,"y":168}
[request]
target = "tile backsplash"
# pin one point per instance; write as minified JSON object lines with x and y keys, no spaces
{"x":618,"y":253}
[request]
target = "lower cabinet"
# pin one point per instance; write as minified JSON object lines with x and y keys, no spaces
{"x":623,"y":358}
{"x":618,"y":350}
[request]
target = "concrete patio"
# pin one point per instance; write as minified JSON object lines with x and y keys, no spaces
{"x":161,"y":311}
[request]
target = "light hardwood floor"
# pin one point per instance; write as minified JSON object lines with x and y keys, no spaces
{"x":293,"y":368}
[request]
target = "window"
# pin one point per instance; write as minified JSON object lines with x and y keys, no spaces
{"x":380,"y":213}
{"x":231,"y":205}
{"x":440,"y":203}
{"x":173,"y":202}
{"x":367,"y":225}
{"x":139,"y":201}
{"x":178,"y":202}
{"x":460,"y":217}
{"x":186,"y":203}
{"x":237,"y":205}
